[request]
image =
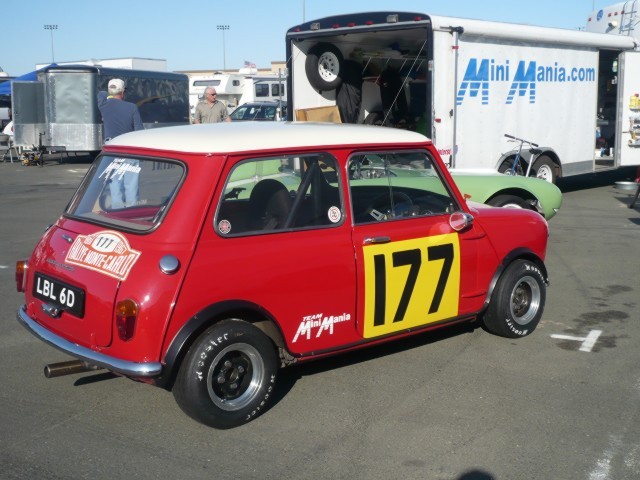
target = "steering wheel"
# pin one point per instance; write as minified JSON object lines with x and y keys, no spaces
{"x":383,"y":207}
{"x":373,"y":172}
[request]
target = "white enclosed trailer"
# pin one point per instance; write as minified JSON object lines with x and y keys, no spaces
{"x":617,"y":19}
{"x":466,"y":83}
{"x":234,"y":89}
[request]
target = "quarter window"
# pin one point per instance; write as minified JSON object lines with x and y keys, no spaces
{"x":280,"y":193}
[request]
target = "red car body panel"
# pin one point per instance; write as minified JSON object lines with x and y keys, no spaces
{"x":312,"y":284}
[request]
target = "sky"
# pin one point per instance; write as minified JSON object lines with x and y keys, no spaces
{"x":185,"y":32}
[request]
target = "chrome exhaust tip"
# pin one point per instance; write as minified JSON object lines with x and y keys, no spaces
{"x":67,"y":368}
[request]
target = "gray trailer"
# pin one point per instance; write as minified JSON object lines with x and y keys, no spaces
{"x":59,"y":111}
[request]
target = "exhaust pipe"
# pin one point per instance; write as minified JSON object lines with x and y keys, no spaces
{"x":67,"y":368}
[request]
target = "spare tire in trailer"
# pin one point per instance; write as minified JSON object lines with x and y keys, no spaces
{"x":324,"y":66}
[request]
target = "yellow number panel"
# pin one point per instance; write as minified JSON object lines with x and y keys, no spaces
{"x":410,"y":283}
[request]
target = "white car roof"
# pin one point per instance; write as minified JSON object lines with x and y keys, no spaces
{"x":248,"y":136}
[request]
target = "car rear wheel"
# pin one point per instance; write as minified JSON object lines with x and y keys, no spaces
{"x":228,"y":375}
{"x":517,"y":302}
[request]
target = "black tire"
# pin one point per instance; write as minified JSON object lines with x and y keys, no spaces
{"x":517,"y":302}
{"x":374,"y":118}
{"x":506,"y":167}
{"x":545,"y":168}
{"x":228,"y":375}
{"x":324,"y":67}
{"x":508,"y":201}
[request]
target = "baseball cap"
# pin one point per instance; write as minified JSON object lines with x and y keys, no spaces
{"x":116,"y":86}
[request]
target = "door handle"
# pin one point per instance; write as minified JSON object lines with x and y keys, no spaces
{"x":376,"y":240}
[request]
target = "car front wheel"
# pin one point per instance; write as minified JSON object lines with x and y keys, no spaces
{"x":228,"y":375}
{"x":517,"y":302}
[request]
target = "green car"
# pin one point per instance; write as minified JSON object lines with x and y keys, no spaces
{"x":502,"y":190}
{"x":498,"y":190}
{"x":491,"y":188}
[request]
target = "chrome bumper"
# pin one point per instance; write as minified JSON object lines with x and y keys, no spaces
{"x":130,"y":369}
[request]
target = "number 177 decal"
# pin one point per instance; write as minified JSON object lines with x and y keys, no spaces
{"x":410,"y":283}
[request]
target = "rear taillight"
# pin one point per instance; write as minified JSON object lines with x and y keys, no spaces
{"x":126,"y":317}
{"x":21,"y":274}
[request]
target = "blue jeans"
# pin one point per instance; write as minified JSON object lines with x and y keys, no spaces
{"x":124,"y":189}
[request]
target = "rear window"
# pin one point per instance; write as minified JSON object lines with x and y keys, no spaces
{"x":127,"y":193}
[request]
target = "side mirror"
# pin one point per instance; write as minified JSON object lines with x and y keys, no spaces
{"x":460,"y":221}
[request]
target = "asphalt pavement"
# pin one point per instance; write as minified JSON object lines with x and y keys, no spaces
{"x":562,"y":403}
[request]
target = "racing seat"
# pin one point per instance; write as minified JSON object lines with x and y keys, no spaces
{"x":269,"y":205}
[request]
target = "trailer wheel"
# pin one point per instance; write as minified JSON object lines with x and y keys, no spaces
{"x":324,"y":66}
{"x":545,"y":169}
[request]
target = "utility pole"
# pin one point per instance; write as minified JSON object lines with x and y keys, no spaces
{"x":224,"y":28}
{"x":51,"y":28}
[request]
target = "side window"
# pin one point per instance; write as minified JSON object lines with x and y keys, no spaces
{"x":269,"y":113}
{"x":274,"y":194}
{"x":396,"y":185}
{"x":262,"y":90}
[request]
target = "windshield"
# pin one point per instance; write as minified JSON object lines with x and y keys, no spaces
{"x":129,"y":193}
{"x":258,"y":112}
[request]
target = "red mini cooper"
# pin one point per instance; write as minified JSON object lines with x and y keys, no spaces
{"x":203,"y":258}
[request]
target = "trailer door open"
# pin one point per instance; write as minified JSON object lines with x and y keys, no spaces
{"x":29,"y":121}
{"x":628,"y":137}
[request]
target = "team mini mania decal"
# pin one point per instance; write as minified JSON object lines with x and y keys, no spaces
{"x":319,"y":323}
{"x":105,"y":252}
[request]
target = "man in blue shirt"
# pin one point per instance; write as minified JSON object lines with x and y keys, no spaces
{"x":120,"y":117}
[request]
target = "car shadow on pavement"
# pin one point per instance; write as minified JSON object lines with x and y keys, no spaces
{"x":476,"y":475}
{"x":96,"y":376}
{"x":287,"y":377}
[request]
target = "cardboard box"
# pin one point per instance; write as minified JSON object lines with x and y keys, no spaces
{"x":319,"y":114}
